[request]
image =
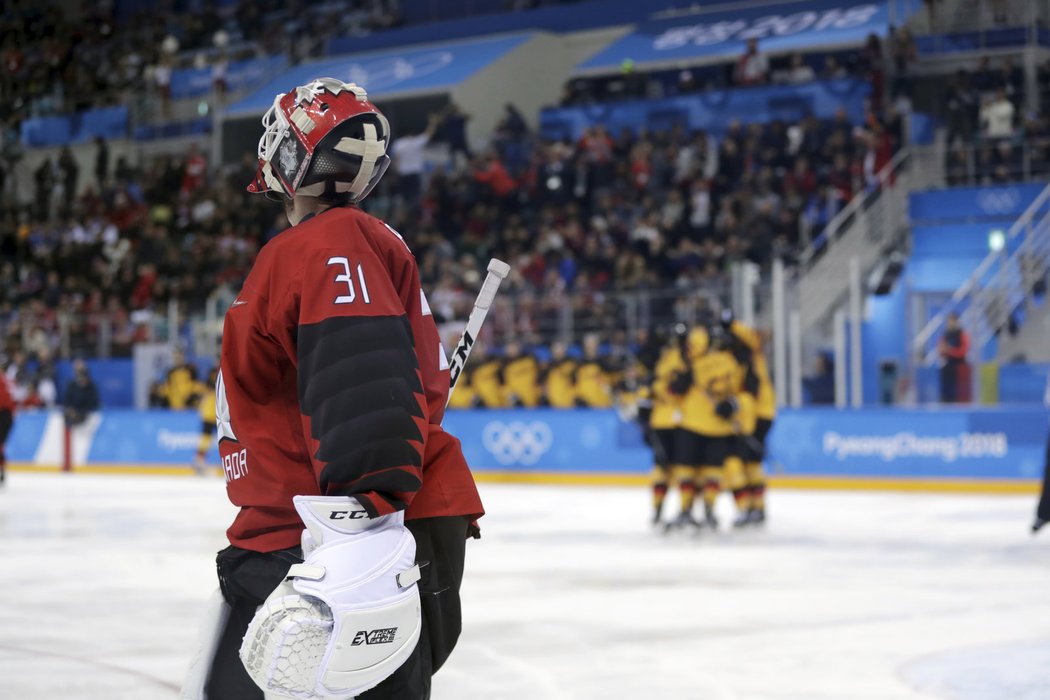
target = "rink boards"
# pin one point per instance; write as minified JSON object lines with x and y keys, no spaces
{"x":957,"y":448}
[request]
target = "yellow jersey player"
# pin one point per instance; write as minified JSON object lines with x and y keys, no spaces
{"x":714,"y":414}
{"x":486,"y":379}
{"x":521,"y":372}
{"x":664,"y":423}
{"x":747,"y":348}
{"x":181,"y":386}
{"x":206,"y":409}
{"x":556,"y":378}
{"x":593,"y":386}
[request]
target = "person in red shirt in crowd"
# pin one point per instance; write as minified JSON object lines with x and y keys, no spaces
{"x":841,"y":180}
{"x":953,"y":348}
{"x":194,"y":171}
{"x":597,"y":144}
{"x":7,"y":420}
{"x":493,"y":173}
{"x":802,"y":178}
{"x":142,"y":293}
{"x":597,"y":147}
{"x":329,"y":401}
{"x":641,"y":166}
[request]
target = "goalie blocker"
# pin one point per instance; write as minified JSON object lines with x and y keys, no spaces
{"x":252,"y":579}
{"x":333,"y":385}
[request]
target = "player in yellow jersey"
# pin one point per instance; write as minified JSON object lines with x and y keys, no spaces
{"x":665,"y":421}
{"x":521,"y":372}
{"x":556,"y":378}
{"x":715,"y":413}
{"x":486,"y":379}
{"x":690,"y":442}
{"x":206,"y":409}
{"x":592,"y":383}
{"x":181,"y":385}
{"x":746,"y":345}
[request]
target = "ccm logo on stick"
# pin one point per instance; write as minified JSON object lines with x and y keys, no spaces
{"x":347,"y":514}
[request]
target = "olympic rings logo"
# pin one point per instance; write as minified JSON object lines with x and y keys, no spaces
{"x":517,"y":442}
{"x":999,"y":201}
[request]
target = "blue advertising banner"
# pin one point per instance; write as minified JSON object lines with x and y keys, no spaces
{"x":26,"y":435}
{"x":385,"y":72}
{"x":194,"y":82}
{"x":947,"y":443}
{"x":802,"y":25}
{"x":999,"y":202}
{"x":148,"y":437}
{"x":714,"y":109}
{"x":1024,"y":382}
{"x":966,"y":443}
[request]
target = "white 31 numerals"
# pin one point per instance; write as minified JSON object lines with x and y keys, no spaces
{"x":347,"y":279}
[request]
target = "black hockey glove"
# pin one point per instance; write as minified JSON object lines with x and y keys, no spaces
{"x":726,"y":408}
{"x":681,"y":383}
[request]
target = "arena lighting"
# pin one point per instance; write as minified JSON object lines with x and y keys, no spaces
{"x":996,"y":240}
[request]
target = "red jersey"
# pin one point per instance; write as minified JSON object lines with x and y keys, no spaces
{"x":333,"y":381}
{"x":7,"y":402}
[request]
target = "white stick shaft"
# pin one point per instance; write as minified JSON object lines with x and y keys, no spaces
{"x":498,"y":270}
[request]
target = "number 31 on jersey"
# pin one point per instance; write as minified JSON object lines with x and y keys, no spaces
{"x":345,"y":277}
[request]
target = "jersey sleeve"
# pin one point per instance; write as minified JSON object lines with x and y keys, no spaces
{"x":361,"y":395}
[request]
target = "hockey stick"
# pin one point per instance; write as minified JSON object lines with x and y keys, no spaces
{"x":498,"y":271}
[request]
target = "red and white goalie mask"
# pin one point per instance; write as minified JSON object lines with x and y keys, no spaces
{"x":322,"y":139}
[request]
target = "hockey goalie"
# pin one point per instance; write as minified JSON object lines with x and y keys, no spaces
{"x":343,"y":571}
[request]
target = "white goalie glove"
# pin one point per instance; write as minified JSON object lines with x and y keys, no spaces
{"x":348,"y":616}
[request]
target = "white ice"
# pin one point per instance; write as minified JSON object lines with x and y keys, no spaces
{"x":569,"y":595}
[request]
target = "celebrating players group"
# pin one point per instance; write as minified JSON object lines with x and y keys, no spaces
{"x":706,"y":412}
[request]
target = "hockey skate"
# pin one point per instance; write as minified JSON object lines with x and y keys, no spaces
{"x":743,"y":519}
{"x":683,"y":521}
{"x":756,"y":516}
{"x":1038,"y":524}
{"x":709,"y":517}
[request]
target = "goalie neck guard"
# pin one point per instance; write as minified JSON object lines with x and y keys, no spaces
{"x":322,"y":139}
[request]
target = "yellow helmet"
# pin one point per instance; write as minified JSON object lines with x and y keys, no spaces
{"x":697,"y":342}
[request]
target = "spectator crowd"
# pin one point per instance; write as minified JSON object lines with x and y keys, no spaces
{"x":56,"y":59}
{"x":98,"y":256}
{"x":991,"y":137}
{"x":602,"y":215}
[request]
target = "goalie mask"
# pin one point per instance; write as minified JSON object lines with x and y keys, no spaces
{"x":323,"y":139}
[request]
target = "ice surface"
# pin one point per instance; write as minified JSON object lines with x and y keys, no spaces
{"x":569,"y":595}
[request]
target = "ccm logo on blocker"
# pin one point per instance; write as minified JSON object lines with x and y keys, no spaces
{"x":347,"y":514}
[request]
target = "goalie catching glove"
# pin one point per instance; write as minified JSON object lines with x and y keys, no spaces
{"x":348,"y":616}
